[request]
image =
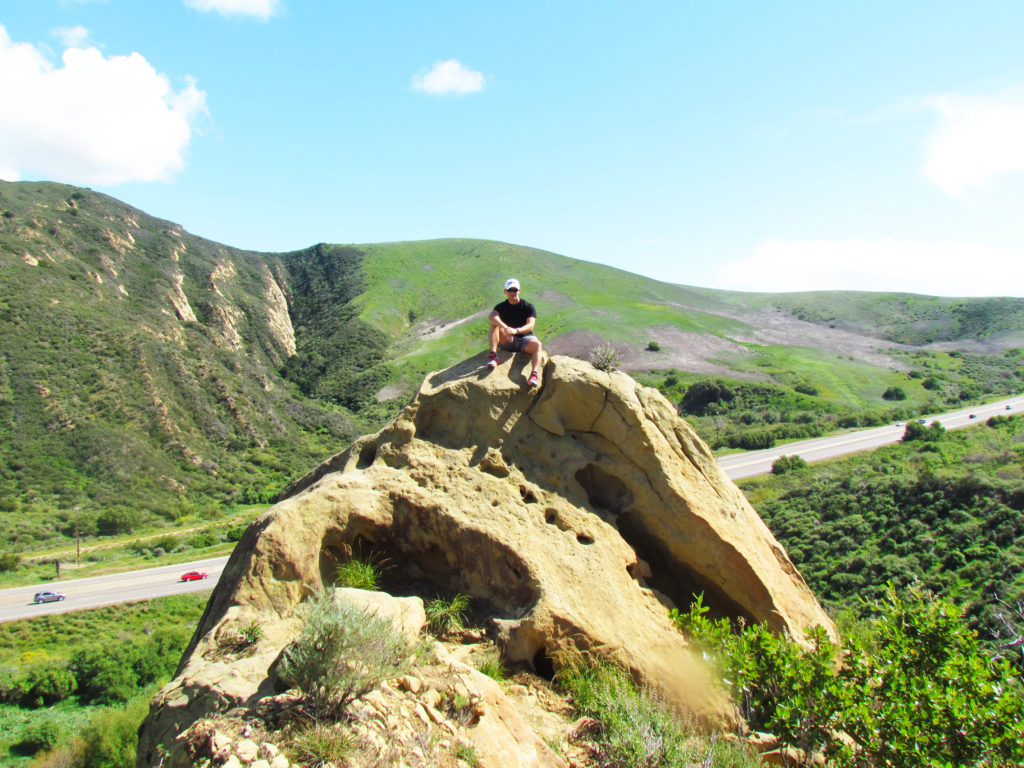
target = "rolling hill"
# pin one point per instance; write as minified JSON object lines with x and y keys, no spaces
{"x":147,"y":373}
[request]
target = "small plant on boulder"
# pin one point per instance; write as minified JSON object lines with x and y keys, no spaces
{"x":446,"y":616}
{"x":342,"y":653}
{"x":605,"y":358}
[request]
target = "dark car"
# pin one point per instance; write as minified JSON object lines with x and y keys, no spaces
{"x":194,"y":576}
{"x":47,"y":597}
{"x":972,"y":416}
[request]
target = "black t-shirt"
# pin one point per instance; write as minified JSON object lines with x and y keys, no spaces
{"x":515,"y":315}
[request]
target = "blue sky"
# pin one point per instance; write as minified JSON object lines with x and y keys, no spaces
{"x":737,"y":145}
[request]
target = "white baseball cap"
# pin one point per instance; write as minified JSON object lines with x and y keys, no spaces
{"x":511,"y":283}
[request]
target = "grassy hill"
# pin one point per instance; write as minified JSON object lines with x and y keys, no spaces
{"x":149,"y":375}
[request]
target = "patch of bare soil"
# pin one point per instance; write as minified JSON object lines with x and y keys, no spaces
{"x":391,"y":391}
{"x":773,"y":326}
{"x":679,"y":349}
{"x":429,"y":329}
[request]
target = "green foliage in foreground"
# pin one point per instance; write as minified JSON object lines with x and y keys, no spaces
{"x":636,"y":728}
{"x":915,"y":689}
{"x":342,"y":652}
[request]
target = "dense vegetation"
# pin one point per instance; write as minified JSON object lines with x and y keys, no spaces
{"x":80,"y":682}
{"x":945,"y":512}
{"x":734,"y":413}
{"x":914,"y":690}
{"x":122,"y":402}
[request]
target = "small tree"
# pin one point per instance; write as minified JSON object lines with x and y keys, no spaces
{"x":915,"y":430}
{"x":785,"y":464}
{"x":894,"y":393}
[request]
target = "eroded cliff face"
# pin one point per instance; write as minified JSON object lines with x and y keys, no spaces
{"x":574,"y":515}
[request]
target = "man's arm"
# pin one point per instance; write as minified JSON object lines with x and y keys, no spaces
{"x":495,"y":319}
{"x":527,"y":327}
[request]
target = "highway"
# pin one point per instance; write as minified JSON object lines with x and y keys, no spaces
{"x":96,"y":591}
{"x":740,"y":465}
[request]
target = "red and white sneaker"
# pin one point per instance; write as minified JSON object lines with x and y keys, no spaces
{"x":492,"y":360}
{"x":532,"y":381}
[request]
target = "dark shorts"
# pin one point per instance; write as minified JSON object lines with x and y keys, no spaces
{"x":518,"y":343}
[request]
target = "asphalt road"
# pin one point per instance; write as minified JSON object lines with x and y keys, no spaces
{"x":740,"y":465}
{"x":96,"y":591}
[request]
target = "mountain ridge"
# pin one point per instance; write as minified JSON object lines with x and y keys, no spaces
{"x":148,"y":373}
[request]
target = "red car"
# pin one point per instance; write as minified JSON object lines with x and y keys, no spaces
{"x":194,"y":576}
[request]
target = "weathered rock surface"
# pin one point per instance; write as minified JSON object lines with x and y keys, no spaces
{"x":574,"y":515}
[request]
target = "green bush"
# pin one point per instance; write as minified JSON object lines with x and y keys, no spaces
{"x":102,"y":678}
{"x":111,"y":739}
{"x":46,"y":683}
{"x":9,"y":562}
{"x":703,"y":394}
{"x":318,"y":745}
{"x":915,"y":430}
{"x":915,"y":690}
{"x":894,"y":393}
{"x":252,"y":632}
{"x":342,"y":653}
{"x":653,"y":346}
{"x":785,"y":464}
{"x":38,"y":737}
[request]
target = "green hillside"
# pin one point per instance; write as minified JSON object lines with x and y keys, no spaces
{"x":147,"y":374}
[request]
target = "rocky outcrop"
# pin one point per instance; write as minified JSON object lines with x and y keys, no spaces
{"x":573,"y":515}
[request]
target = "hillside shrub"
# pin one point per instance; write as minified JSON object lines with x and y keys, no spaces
{"x":111,"y":738}
{"x":915,"y":430}
{"x":9,"y":562}
{"x":702,"y":394}
{"x":785,"y":464}
{"x":45,"y":683}
{"x":38,"y":737}
{"x":894,"y":393}
{"x":653,"y":346}
{"x":915,"y":689}
{"x":101,"y":676}
{"x":341,"y":653}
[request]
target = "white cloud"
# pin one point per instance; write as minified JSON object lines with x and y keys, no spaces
{"x":262,"y":9}
{"x":449,"y":77}
{"x":93,"y":120}
{"x":71,"y":37}
{"x":877,"y":265}
{"x":977,"y":140}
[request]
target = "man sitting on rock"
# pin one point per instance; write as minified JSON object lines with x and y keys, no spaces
{"x":512,"y":324}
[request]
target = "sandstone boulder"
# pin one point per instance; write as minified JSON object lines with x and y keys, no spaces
{"x":574,"y":515}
